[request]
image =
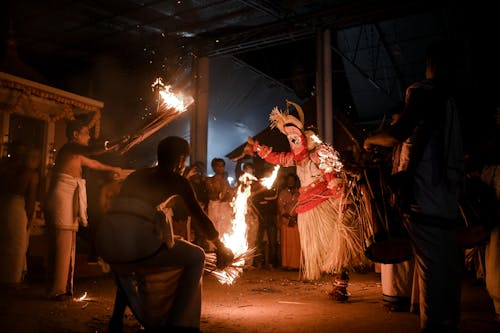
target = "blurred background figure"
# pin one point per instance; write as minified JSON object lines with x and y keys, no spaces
{"x":252,"y":215}
{"x":266,"y":203}
{"x":196,"y":175}
{"x":287,"y":217}
{"x":19,"y":181}
{"x":220,"y":194}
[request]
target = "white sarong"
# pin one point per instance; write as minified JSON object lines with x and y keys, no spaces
{"x":13,"y":238}
{"x":66,"y":207}
{"x":67,"y":202}
{"x":221,"y":214}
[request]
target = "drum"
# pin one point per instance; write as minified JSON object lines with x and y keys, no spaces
{"x":477,"y":208}
{"x":133,"y":230}
{"x":386,"y":240}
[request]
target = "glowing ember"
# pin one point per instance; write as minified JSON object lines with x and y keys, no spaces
{"x":83,"y":297}
{"x":269,"y":181}
{"x":236,"y":240}
{"x":171,"y":100}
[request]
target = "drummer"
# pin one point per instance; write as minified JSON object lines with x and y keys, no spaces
{"x":430,"y":164}
{"x":154,"y":185}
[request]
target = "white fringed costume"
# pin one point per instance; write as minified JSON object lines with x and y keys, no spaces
{"x":328,"y":221}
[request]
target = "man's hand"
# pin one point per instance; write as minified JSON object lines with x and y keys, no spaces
{"x":383,"y":139}
{"x":224,"y":255}
{"x":367,"y":145}
{"x":292,"y":222}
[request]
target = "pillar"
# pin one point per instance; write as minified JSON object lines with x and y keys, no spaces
{"x":324,"y":101}
{"x":199,"y":115}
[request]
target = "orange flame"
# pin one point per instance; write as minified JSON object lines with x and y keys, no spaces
{"x":269,"y":181}
{"x":236,"y":240}
{"x":171,"y":100}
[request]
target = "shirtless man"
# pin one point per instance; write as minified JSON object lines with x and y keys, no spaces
{"x":220,"y":194}
{"x":66,"y":207}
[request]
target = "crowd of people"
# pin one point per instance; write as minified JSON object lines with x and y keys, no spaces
{"x":307,"y":221}
{"x":270,"y":216}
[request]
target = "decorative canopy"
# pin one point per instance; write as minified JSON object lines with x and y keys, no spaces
{"x":32,"y":99}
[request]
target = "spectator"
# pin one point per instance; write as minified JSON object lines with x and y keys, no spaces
{"x":430,"y":170}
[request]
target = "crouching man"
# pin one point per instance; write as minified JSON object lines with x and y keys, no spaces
{"x":137,"y":250}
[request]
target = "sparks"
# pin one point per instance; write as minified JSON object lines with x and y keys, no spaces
{"x":171,"y":100}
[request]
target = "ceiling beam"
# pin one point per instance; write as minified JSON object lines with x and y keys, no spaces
{"x":338,"y":17}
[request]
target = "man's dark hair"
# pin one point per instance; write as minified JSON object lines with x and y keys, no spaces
{"x":74,"y":126}
{"x":217,"y":160}
{"x":248,"y":164}
{"x":169,"y":150}
{"x":443,"y":55}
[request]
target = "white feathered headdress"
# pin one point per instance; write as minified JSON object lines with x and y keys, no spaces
{"x":279,"y":118}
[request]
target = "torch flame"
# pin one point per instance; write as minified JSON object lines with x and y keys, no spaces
{"x":269,"y":181}
{"x":178,"y":101}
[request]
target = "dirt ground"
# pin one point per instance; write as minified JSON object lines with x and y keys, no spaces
{"x":259,"y":301}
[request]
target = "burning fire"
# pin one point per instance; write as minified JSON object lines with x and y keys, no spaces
{"x":171,"y":106}
{"x":269,"y":181}
{"x":178,"y":101}
{"x":236,"y":240}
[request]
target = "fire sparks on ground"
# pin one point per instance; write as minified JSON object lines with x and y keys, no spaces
{"x":82,"y":298}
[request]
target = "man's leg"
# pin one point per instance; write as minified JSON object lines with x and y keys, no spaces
{"x":272,"y":234}
{"x":60,"y":260}
{"x":186,"y":309}
{"x":438,"y":266}
{"x":116,"y":321}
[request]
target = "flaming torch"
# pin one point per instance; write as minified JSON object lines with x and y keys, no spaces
{"x":236,"y":240}
{"x":170,"y":106}
{"x":269,"y":181}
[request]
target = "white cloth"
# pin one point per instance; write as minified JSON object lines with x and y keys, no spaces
{"x":61,"y":266}
{"x":67,"y":202}
{"x":13,"y":238}
{"x":397,"y":280}
{"x":221,"y":213}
